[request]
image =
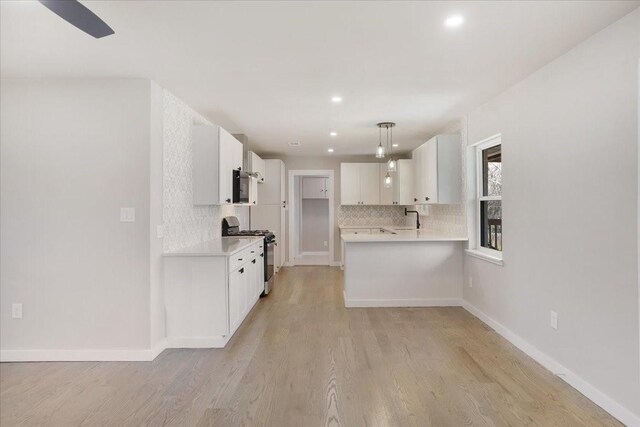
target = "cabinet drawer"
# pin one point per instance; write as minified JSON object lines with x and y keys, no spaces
{"x":244,"y":256}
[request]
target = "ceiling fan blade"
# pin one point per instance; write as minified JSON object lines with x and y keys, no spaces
{"x":79,"y":16}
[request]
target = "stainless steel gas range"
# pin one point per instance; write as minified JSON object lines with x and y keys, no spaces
{"x":231,"y":228}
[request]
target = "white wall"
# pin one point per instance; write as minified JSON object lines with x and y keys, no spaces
{"x":72,"y":153}
{"x":569,"y":136}
{"x":314,"y":225}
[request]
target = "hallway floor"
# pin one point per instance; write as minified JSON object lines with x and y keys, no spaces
{"x":302,"y":359}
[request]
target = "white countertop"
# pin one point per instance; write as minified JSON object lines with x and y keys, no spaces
{"x":400,"y":234}
{"x":224,"y":246}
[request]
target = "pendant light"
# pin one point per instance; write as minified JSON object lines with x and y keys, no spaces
{"x":380,"y":153}
{"x":388,"y":181}
{"x":391,"y":164}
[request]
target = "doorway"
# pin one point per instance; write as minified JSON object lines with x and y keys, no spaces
{"x":311,"y":217}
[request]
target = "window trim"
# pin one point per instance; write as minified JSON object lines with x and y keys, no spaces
{"x":490,"y":254}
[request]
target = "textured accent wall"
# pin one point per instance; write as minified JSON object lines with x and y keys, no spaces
{"x":373,"y":215}
{"x":451,"y":218}
{"x":184,"y":223}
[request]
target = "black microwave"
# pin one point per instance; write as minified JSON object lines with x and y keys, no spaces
{"x":241,"y":186}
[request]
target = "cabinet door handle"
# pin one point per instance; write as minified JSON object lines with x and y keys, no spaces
{"x":228,"y":200}
{"x":262,"y":255}
{"x":253,"y":261}
{"x":241,"y":270}
{"x":239,"y":259}
{"x":253,"y":252}
{"x":415,"y":199}
{"x":426,"y":199}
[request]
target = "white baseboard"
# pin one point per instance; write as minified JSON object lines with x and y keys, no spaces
{"x":198,"y":342}
{"x":78,"y":355}
{"x":411,"y":302}
{"x":158,"y":348}
{"x":317,"y":253}
{"x":623,"y":415}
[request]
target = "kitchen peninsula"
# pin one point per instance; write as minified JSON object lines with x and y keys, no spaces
{"x":401,"y":267}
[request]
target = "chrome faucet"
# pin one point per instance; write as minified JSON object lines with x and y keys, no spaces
{"x":417,"y":216}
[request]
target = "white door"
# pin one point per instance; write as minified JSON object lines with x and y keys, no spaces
{"x":419,"y":175}
{"x":386,"y":194}
{"x":431,"y":171}
{"x":283,"y":183}
{"x":350,"y":184}
{"x":404,"y":183}
{"x":236,"y":154}
{"x":270,"y":192}
{"x":226,"y":166}
{"x":236,"y":301}
{"x":314,"y":188}
{"x":370,"y":183}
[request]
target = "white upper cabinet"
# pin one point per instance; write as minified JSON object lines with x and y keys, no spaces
{"x":350,"y":183}
{"x":257,"y":165}
{"x":370,"y":183}
{"x":359,"y":183}
{"x":437,"y":171}
{"x":314,"y":188}
{"x":403,"y":193}
{"x":216,"y":153}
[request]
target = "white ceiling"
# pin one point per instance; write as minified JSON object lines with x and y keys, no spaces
{"x":269,"y":69}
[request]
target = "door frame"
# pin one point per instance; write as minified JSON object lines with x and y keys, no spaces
{"x":329,"y":173}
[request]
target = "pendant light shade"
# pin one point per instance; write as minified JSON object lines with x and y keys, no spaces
{"x":391,"y":165}
{"x":380,"y":152}
{"x":388,"y":181}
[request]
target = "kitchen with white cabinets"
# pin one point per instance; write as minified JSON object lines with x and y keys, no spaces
{"x":291,"y":213}
{"x":404,"y":265}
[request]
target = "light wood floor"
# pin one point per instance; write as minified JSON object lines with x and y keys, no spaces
{"x":302,"y":359}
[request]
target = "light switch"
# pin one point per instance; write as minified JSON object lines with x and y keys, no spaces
{"x":127,"y":214}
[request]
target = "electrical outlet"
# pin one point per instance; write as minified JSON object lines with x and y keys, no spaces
{"x":16,"y":311}
{"x":326,"y":243}
{"x":471,"y":281}
{"x":553,"y":320}
{"x":127,"y":214}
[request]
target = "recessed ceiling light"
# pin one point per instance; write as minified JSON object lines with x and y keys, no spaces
{"x":330,"y":150}
{"x":454,"y":21}
{"x":394,"y":145}
{"x":333,"y":133}
{"x":336,"y":99}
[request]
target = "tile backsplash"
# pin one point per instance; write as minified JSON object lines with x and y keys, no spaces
{"x":184,"y":223}
{"x":373,"y":215}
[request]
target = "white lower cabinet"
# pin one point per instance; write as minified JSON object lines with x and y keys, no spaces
{"x":208,"y":297}
{"x":237,"y":300}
